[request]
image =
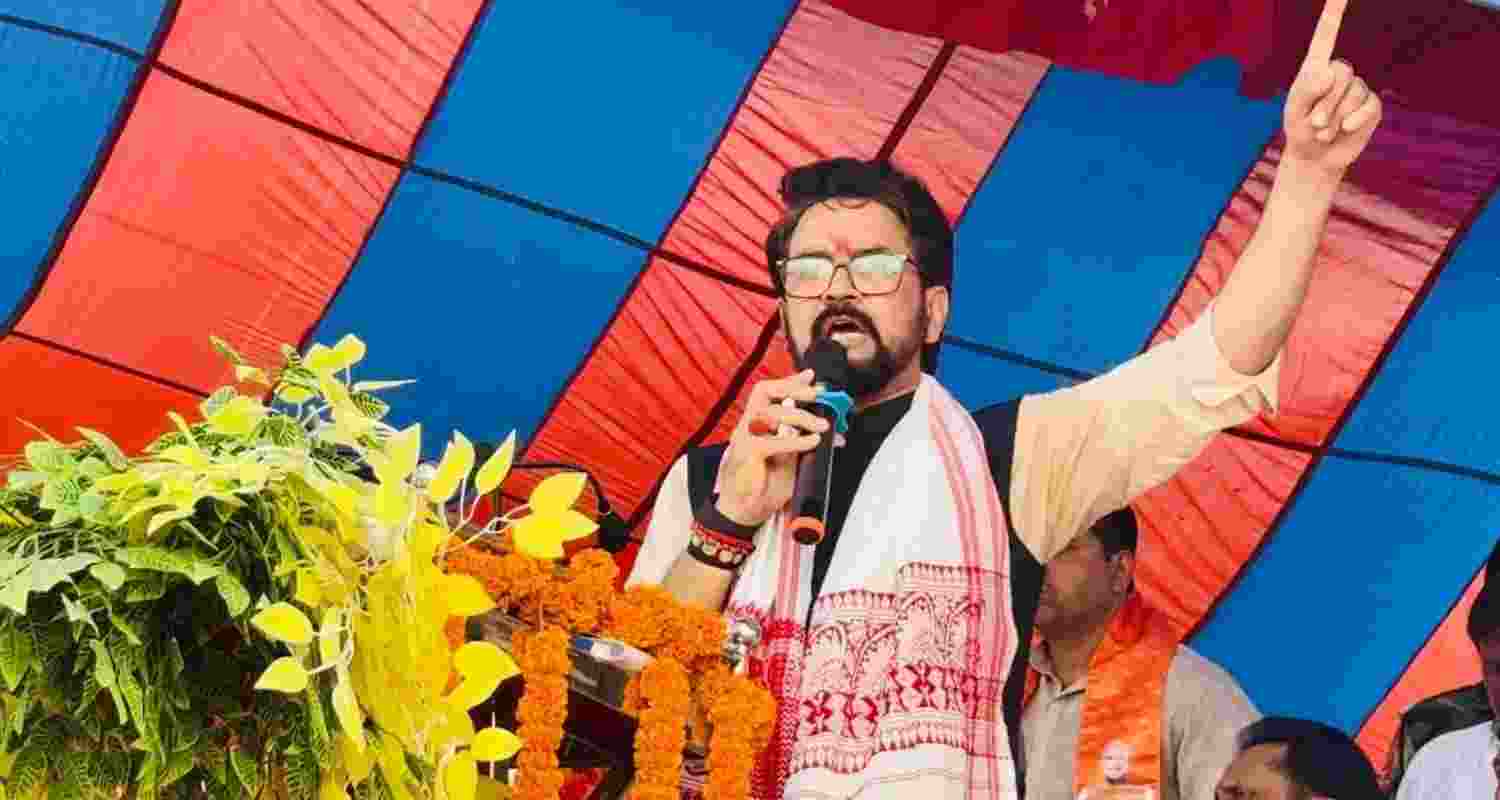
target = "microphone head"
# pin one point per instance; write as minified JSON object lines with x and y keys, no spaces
{"x":829,"y":362}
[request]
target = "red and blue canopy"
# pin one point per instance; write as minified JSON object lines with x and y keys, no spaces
{"x":552,"y":214}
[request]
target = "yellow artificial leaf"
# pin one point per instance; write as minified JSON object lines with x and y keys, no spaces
{"x":184,"y":455}
{"x":492,"y":789}
{"x":322,"y":360}
{"x":466,"y":595}
{"x":344,"y":499}
{"x":357,"y":758}
{"x":557,"y":493}
{"x":392,"y":505}
{"x":294,"y":394}
{"x":483,"y":667}
{"x":332,"y":788}
{"x":495,"y":744}
{"x":541,"y":535}
{"x":238,"y":417}
{"x":162,"y":520}
{"x":401,"y":452}
{"x":328,"y":636}
{"x":248,"y":374}
{"x":496,"y":467}
{"x":282,"y":622}
{"x":309,"y":591}
{"x":119,"y":482}
{"x":251,"y":473}
{"x":458,"y":460}
{"x":457,"y":726}
{"x":284,"y":675}
{"x":350,"y":350}
{"x":461,"y":777}
{"x":425,"y":542}
{"x":346,"y":708}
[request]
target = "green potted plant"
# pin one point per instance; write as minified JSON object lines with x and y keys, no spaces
{"x":251,"y":607}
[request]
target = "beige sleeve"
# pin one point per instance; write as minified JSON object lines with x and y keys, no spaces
{"x":669,"y":530}
{"x":1206,"y":710}
{"x":1087,"y":450}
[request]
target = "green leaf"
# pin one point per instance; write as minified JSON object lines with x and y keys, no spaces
{"x":61,"y":493}
{"x":151,"y":587}
{"x":29,"y":769}
{"x":126,"y":628}
{"x":104,"y":667}
{"x":15,"y":657}
{"x":282,"y":432}
{"x":110,"y":574}
{"x":22,"y":479}
{"x":178,"y":766}
{"x":13,"y":594}
{"x":236,"y":597}
{"x":111,"y":451}
{"x":49,"y":457}
{"x":370,"y":405}
{"x":245,"y":769}
{"x":157,"y":559}
{"x":302,"y":776}
{"x":217,"y":400}
{"x":224,"y":349}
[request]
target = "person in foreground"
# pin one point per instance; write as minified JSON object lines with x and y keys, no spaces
{"x":1465,"y":762}
{"x":1296,"y":759}
{"x":1115,"y":707}
{"x":896,"y":648}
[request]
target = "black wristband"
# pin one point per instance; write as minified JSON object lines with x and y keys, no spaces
{"x":709,"y":516}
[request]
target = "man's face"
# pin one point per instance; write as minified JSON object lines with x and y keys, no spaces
{"x":883,"y":334}
{"x":1489,"y":656}
{"x":1115,"y":762}
{"x":1256,"y":774}
{"x":1081,"y":587}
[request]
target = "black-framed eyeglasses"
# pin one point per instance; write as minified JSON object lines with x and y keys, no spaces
{"x":872,"y":274}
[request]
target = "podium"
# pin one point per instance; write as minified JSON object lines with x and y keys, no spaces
{"x":599,"y":732}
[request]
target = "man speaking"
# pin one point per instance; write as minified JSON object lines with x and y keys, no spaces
{"x":896,"y":645}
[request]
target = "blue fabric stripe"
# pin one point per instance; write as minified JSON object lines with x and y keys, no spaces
{"x":1363,"y":569}
{"x":61,"y":97}
{"x":599,"y":108}
{"x":1425,"y":402}
{"x":979,"y":379}
{"x":125,"y":22}
{"x":488,"y":306}
{"x":1098,"y":208}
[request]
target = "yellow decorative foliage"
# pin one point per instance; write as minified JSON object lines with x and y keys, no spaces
{"x":557,"y":493}
{"x":495,"y":744}
{"x":461,"y":777}
{"x":284,"y":675}
{"x":282,"y":622}
{"x":466,"y":596}
{"x":496,"y":467}
{"x":458,"y":460}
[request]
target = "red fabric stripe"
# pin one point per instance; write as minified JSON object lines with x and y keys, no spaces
{"x":1420,"y":178}
{"x":364,"y":70}
{"x":68,"y":390}
{"x":263,"y":221}
{"x":1447,"y":661}
{"x":1419,"y":53}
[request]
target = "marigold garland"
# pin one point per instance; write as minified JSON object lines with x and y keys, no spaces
{"x":667,"y":701}
{"x":686,"y":643}
{"x":543,"y":659}
{"x":741,"y":714}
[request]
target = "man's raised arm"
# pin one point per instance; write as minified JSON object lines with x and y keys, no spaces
{"x":1090,"y":449}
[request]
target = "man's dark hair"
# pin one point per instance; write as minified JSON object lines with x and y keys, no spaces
{"x":1319,"y":759}
{"x":881,"y":182}
{"x":1117,"y":532}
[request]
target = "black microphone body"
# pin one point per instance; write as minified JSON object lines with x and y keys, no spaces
{"x":809,"y":504}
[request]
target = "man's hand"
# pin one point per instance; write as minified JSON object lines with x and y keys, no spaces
{"x":758,"y":472}
{"x":1330,"y":112}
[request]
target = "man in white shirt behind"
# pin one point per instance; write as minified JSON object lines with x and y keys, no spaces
{"x":1462,"y":763}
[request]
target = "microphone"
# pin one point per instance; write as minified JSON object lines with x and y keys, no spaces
{"x":809,"y":507}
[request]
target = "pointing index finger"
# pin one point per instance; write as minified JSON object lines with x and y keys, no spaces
{"x":1320,"y":49}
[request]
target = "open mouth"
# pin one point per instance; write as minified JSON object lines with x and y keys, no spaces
{"x":841,"y":324}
